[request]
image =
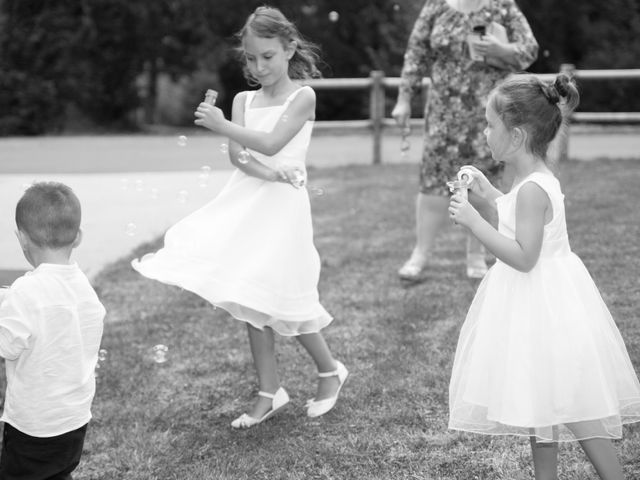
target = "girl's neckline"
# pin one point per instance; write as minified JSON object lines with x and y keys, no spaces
{"x":254,"y":92}
{"x":529,"y":175}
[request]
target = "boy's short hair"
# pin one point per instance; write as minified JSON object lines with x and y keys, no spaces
{"x":49,"y":213}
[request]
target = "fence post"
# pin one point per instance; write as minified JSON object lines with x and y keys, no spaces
{"x":376,"y":112}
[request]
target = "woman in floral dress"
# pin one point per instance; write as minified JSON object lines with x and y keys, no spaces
{"x":454,"y":111}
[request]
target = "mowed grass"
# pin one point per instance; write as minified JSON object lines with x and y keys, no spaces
{"x":171,"y":420}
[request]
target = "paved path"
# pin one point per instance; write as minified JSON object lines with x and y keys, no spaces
{"x":133,"y":187}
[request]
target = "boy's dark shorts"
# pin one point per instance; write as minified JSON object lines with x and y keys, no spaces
{"x":25,"y":457}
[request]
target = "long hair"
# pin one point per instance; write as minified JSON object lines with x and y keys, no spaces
{"x":269,"y":22}
{"x":537,"y":106}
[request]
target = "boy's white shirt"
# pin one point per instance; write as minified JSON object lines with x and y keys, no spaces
{"x":51,"y":323}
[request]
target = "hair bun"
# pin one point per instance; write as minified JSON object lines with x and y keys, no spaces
{"x":561,"y":85}
{"x":551,"y":93}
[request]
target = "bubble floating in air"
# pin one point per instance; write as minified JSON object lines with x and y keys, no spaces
{"x":182,"y":141}
{"x":334,"y":16}
{"x":153,"y":193}
{"x":243,"y":157}
{"x":183,"y":196}
{"x":224,"y":148}
{"x":139,"y":185}
{"x":102,"y":355}
{"x":284,"y":118}
{"x":130,"y":229}
{"x":160,"y":353}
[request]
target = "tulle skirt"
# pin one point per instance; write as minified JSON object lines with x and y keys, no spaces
{"x":540,"y":355}
{"x":249,"y":251}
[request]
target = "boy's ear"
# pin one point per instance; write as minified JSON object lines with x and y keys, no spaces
{"x":78,"y":239}
{"x":23,"y":238}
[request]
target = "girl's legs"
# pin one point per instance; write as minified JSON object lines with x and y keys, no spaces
{"x":262,"y":345}
{"x":599,"y":450}
{"x":545,"y":459}
{"x":603,"y":457}
{"x":317,"y":348}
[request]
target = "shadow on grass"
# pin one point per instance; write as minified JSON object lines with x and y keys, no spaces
{"x":171,"y":420}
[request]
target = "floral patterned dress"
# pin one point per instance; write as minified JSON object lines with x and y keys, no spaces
{"x":455,"y":109}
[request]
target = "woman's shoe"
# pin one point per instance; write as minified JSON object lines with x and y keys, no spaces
{"x":315,"y":408}
{"x":412,"y":271}
{"x":278,"y":400}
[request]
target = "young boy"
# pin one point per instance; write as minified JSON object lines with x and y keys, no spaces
{"x":50,"y":330}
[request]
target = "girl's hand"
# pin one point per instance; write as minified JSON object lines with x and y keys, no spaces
{"x":479,"y":185}
{"x":292,"y":175}
{"x":209,"y":116}
{"x":462,"y":212}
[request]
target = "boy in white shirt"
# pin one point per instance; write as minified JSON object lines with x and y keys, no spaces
{"x":51,"y":324}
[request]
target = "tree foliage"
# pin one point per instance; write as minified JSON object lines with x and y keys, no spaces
{"x":100,"y":60}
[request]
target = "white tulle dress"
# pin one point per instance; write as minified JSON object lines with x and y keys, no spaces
{"x":250,"y":250}
{"x":539,"y":353}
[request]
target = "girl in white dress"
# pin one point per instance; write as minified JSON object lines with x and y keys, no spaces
{"x":250,"y":251}
{"x":539,"y":354}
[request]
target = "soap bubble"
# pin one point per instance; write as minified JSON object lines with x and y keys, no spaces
{"x":182,"y":141}
{"x":139,"y":185}
{"x":334,"y":16}
{"x":130,"y":229}
{"x":243,"y":157}
{"x":203,"y":176}
{"x":396,"y":7}
{"x":317,"y":191}
{"x":284,"y":118}
{"x":183,"y":196}
{"x":153,"y":193}
{"x":224,"y":148}
{"x":160,"y":353}
{"x":102,"y":355}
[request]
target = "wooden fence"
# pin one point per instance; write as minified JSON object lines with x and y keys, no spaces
{"x":378,"y":84}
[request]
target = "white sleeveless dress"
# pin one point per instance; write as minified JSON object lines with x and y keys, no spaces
{"x":540,"y":351}
{"x":250,"y":250}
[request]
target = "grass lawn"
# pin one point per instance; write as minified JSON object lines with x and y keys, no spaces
{"x":171,"y":420}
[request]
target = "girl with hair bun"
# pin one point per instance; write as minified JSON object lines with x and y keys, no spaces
{"x":539,"y":354}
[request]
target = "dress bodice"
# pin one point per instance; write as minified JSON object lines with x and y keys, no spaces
{"x":555,"y":240}
{"x":265,"y":119}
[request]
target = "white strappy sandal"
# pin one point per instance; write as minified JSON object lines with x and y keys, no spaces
{"x":315,"y":408}
{"x":278,"y":400}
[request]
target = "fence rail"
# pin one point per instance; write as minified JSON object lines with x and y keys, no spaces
{"x":378,"y":84}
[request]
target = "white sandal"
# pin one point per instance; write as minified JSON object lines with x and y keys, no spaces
{"x":278,"y":400}
{"x":315,"y":408}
